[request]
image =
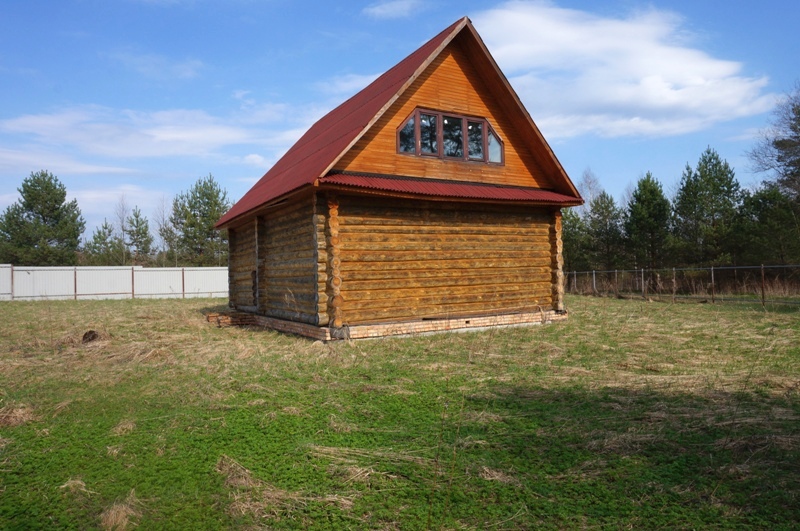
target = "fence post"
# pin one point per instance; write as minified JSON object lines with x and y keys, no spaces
{"x":643,"y":288}
{"x":594,"y":283}
{"x":674,"y":285}
{"x":616,"y":284}
{"x":574,"y":281}
{"x":133,"y":283}
{"x":713,"y":299}
{"x":763,"y":298}
{"x":183,"y":282}
{"x":12,"y":282}
{"x":75,"y":283}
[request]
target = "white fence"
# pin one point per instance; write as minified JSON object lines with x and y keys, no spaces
{"x":79,"y":283}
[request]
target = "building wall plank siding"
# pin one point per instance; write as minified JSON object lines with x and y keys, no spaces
{"x":288,"y":247}
{"x":440,"y":259}
{"x":451,"y":84}
{"x":242,"y":265}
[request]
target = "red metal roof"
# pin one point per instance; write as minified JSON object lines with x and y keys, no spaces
{"x":318,"y":150}
{"x":311,"y":157}
{"x":453,"y":189}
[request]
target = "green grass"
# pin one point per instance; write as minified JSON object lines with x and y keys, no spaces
{"x":630,"y":414}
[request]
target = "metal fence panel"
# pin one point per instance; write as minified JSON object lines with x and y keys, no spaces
{"x":162,"y":283}
{"x":50,"y":283}
{"x":102,"y":282}
{"x":5,"y":282}
{"x":44,"y":283}
{"x":206,"y":282}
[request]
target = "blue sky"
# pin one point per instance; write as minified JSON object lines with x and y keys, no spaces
{"x":140,"y":98}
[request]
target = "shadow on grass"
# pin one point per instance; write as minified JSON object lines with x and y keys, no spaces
{"x":643,"y":457}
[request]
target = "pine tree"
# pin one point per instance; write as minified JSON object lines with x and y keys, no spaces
{"x":138,"y":238}
{"x":574,"y":237}
{"x":105,"y":248}
{"x":604,"y":231}
{"x":767,"y":228}
{"x":194,"y":214}
{"x":703,"y":211}
{"x":42,"y":228}
{"x":647,"y":223}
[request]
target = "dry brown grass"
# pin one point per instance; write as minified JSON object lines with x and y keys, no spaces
{"x":255,"y":497}
{"x":123,"y":428}
{"x":16,"y":415}
{"x":490,"y":474}
{"x":74,"y":486}
{"x":122,"y":515}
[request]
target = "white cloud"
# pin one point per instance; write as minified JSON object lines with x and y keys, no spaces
{"x":393,"y":9}
{"x":157,"y":66}
{"x":132,"y":134}
{"x":22,"y":161}
{"x":580,"y":73}
{"x":346,"y":85}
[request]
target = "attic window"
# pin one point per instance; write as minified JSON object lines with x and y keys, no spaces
{"x":449,"y":136}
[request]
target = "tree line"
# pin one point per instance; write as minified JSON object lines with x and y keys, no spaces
{"x":44,"y":229}
{"x":710,"y":221}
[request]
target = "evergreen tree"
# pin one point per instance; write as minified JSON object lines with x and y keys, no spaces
{"x":647,"y":223}
{"x":604,"y":231}
{"x":194,"y":214}
{"x":703,"y":211}
{"x":574,"y":238}
{"x":42,"y":228}
{"x":105,"y":248}
{"x":138,"y":238}
{"x":767,"y":228}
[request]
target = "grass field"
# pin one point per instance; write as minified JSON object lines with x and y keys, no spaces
{"x":630,"y":415}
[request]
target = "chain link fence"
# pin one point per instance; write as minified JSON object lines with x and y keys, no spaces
{"x":743,"y":284}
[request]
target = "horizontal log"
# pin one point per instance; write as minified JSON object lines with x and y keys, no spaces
{"x":308,"y":318}
{"x":452,"y":294}
{"x":289,"y":254}
{"x":414,"y":236}
{"x":537,"y":231}
{"x":446,"y":246}
{"x":466,"y":269}
{"x":301,"y":308}
{"x":376,"y":315}
{"x":346,"y":222}
{"x":453,"y":281}
{"x":288,"y":236}
{"x":441,"y":299}
{"x":288,"y":295}
{"x":420,"y":255}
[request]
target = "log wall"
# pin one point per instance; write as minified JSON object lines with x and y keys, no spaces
{"x":402,"y":260}
{"x":450,"y":84}
{"x":242,"y":266}
{"x":288,"y":262}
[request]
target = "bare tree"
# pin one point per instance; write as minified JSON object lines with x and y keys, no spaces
{"x":589,"y":187}
{"x":121,"y":212}
{"x":778,"y":149}
{"x":165,"y":231}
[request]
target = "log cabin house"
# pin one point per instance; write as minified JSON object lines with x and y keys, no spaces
{"x":428,"y":201}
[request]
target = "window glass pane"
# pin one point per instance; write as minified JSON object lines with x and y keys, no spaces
{"x":475,"y":136}
{"x":427,"y":133}
{"x":406,"y":143}
{"x":495,"y":148}
{"x":453,"y":137}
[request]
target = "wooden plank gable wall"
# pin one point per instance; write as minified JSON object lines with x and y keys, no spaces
{"x":451,"y":84}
